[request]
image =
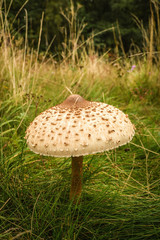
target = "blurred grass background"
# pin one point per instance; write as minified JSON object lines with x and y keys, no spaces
{"x":121,"y":188}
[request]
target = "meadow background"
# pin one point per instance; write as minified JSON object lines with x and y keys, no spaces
{"x":121,"y":188}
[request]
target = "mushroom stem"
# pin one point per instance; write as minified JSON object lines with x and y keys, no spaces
{"x":77,"y":172}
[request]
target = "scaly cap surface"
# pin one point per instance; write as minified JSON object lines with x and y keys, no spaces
{"x":79,"y":127}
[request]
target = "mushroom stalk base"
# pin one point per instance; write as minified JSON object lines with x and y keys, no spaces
{"x":77,"y":173}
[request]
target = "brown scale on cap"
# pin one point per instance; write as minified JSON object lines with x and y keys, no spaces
{"x":98,"y":139}
{"x":111,"y":131}
{"x":59,"y":119}
{"x":52,"y":123}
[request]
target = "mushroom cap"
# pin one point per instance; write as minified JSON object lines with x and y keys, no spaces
{"x":78,"y":127}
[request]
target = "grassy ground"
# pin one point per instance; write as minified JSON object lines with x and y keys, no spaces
{"x":121,"y":188}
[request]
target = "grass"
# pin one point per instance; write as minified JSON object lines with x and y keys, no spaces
{"x":121,"y":188}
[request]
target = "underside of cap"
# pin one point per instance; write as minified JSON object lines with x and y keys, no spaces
{"x":78,"y":127}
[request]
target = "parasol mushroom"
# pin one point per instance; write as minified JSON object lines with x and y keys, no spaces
{"x":78,"y":127}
